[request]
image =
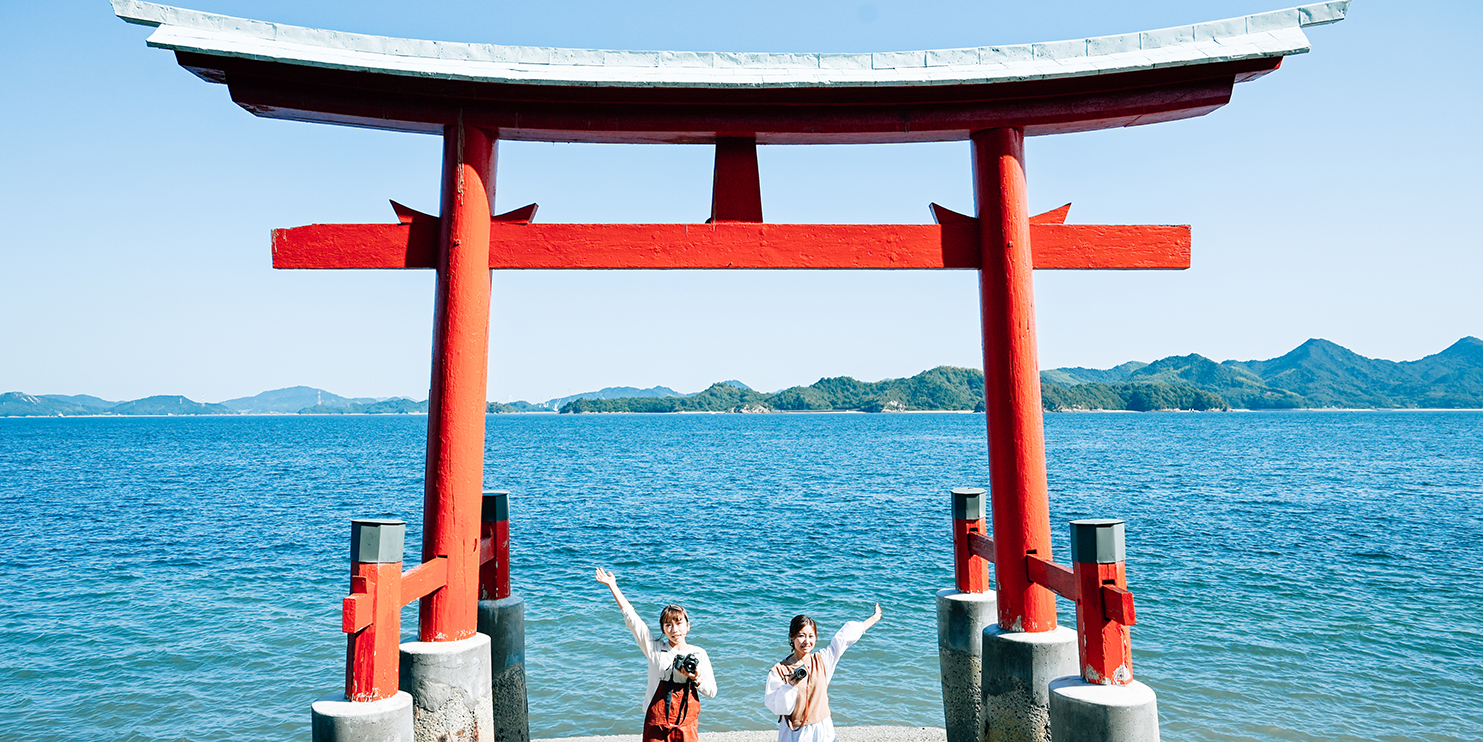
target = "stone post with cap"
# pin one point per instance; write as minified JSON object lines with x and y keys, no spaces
{"x":1102,"y":702}
{"x":962,"y":613}
{"x":502,"y":619}
{"x":371,"y":708}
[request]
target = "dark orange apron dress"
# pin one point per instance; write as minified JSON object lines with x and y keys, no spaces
{"x":673,"y":714}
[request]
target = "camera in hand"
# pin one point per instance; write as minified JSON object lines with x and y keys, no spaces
{"x":798,"y":674}
{"x":686,"y":662}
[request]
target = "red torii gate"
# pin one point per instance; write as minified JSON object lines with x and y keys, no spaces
{"x":474,"y":95}
{"x":997,"y":244}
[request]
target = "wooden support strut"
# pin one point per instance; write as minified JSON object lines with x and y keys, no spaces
{"x":970,"y":567}
{"x":736,"y":192}
{"x":494,"y":547}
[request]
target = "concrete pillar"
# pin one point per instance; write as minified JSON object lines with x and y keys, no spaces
{"x":503,"y":621}
{"x":1087,"y":712}
{"x":961,"y":618}
{"x":449,"y":683}
{"x":1018,"y":668}
{"x":335,"y":719}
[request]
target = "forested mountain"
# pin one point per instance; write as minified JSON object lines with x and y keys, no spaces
{"x":941,"y":388}
{"x":291,"y":399}
{"x":1317,"y":373}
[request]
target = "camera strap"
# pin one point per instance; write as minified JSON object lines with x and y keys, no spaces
{"x":688,"y":688}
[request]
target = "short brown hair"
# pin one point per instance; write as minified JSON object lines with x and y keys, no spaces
{"x":673,"y":614}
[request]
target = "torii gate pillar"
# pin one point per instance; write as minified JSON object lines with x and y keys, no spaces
{"x":1020,"y":499}
{"x":448,"y":671}
{"x":456,"y":398}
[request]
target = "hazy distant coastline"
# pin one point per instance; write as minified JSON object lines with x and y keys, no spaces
{"x":1316,"y":374}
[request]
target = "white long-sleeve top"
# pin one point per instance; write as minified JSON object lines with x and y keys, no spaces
{"x":661,"y":658}
{"x":780,"y":696}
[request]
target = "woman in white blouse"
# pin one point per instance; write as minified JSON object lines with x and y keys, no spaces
{"x":672,"y":699}
{"x":798,"y":687}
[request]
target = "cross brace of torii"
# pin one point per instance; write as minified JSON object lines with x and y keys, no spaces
{"x":474,"y":95}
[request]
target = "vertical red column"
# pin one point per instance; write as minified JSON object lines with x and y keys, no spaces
{"x":456,"y":399}
{"x":970,"y":571}
{"x":1021,"y":507}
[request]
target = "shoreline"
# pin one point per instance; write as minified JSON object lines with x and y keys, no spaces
{"x":772,"y":412}
{"x":844,"y":734}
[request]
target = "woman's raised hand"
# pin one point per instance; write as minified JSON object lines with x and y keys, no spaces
{"x":607,"y":578}
{"x":869,"y":622}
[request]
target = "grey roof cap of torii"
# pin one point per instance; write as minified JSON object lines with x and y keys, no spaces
{"x":1265,"y":35}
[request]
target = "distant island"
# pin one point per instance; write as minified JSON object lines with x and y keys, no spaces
{"x":1316,"y":374}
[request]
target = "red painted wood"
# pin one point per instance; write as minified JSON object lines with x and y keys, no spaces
{"x":420,"y":581}
{"x":1105,"y":645}
{"x":523,"y":215}
{"x":1117,"y":605}
{"x":981,"y":545}
{"x":356,"y":612}
{"x":486,"y":552}
{"x":970,"y":571}
{"x":456,"y":403}
{"x":1058,"y":579}
{"x":951,"y":245}
{"x":373,"y":621}
{"x":494,"y":560}
{"x":1054,"y":216}
{"x":736,"y":190}
{"x":796,"y":115}
{"x":1021,"y":506}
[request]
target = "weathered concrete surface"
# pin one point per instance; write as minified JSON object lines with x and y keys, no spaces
{"x":450,"y":687}
{"x":844,"y":734}
{"x":503,"y":621}
{"x":335,"y":719}
{"x":961,"y":619}
{"x":1018,"y":669}
{"x":1083,"y":712}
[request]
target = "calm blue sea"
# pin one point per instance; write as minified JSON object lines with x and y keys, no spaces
{"x":1299,"y":575}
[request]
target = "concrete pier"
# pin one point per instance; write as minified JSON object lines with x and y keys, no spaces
{"x":1085,"y":712}
{"x":1018,"y":669}
{"x":503,"y":621}
{"x":450,"y":687}
{"x":336,"y":719}
{"x":961,"y":619}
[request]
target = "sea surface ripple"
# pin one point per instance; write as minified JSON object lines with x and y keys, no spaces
{"x":1299,"y":575}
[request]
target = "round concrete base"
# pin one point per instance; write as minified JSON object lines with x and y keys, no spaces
{"x":961,"y":618}
{"x":335,"y":719}
{"x":1083,"y":712}
{"x":449,"y":683}
{"x":503,"y":621}
{"x":1018,"y":669}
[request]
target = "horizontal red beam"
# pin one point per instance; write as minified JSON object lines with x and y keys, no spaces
{"x":1118,"y":605}
{"x":420,"y":581}
{"x":698,"y":114}
{"x":982,"y":546}
{"x":721,"y":246}
{"x":1060,"y":580}
{"x":486,"y":549}
{"x":355,"y":612}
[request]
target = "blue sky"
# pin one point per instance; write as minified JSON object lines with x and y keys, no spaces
{"x":1333,"y":199}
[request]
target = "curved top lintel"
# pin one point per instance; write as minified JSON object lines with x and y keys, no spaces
{"x":1265,"y":35}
